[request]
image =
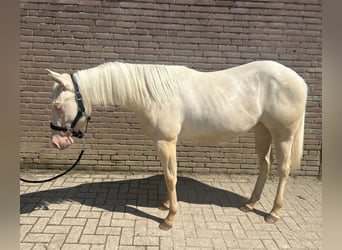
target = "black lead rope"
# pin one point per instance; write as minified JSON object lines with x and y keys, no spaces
{"x":57,"y":176}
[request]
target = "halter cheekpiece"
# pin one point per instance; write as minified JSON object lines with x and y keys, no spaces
{"x":80,"y":113}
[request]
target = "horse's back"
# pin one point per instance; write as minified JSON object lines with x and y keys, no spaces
{"x":230,"y":102}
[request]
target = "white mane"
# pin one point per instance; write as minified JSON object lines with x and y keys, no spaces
{"x":131,"y":85}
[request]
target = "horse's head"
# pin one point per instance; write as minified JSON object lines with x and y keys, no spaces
{"x":66,"y":114}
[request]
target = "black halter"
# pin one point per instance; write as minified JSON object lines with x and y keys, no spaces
{"x":80,"y":113}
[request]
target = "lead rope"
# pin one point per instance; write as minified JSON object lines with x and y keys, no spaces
{"x":61,"y":174}
{"x":57,"y":176}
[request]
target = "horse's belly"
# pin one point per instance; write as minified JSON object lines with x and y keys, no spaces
{"x":206,"y":132}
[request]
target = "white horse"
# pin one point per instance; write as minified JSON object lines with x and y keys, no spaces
{"x":174,"y":103}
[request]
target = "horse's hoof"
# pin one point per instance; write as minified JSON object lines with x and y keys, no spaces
{"x":165,"y":226}
{"x":271,"y":219}
{"x":246,"y":208}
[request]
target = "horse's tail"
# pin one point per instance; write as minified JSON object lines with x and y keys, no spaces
{"x":297,"y":146}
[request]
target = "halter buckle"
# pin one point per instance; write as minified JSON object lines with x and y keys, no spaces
{"x":78,"y":96}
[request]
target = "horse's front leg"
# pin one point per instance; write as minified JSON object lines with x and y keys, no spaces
{"x":167,"y":154}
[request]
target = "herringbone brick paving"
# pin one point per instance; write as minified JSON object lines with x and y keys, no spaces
{"x":119,"y":211}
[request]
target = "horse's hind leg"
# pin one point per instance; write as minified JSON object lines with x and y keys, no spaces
{"x":283,"y":147}
{"x":167,"y":154}
{"x":263,"y":140}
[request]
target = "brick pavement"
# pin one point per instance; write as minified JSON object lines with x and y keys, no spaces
{"x":119,"y":211}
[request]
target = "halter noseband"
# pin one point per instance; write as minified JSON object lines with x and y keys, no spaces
{"x":80,"y":113}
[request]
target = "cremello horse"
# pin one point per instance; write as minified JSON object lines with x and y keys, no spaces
{"x":174,"y":103}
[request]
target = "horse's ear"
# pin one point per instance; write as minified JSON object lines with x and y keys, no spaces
{"x":56,"y":76}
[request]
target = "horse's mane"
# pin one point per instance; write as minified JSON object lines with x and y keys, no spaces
{"x":131,"y":85}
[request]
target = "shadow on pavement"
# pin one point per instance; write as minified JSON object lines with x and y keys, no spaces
{"x":126,"y":195}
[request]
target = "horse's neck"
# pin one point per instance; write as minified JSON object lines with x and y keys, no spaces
{"x":106,"y":85}
{"x":134,"y":86}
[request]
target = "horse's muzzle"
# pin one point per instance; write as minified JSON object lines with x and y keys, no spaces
{"x":61,"y":142}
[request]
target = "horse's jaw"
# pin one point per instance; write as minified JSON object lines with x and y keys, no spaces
{"x":61,"y":142}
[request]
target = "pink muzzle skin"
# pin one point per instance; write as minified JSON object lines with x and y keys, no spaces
{"x":62,"y":142}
